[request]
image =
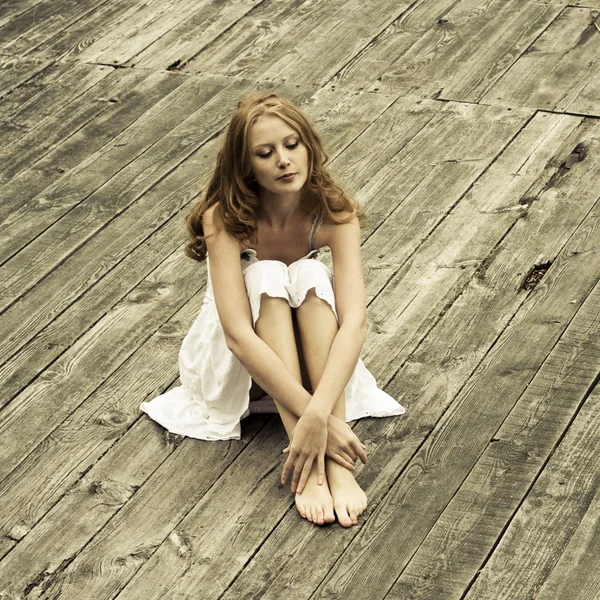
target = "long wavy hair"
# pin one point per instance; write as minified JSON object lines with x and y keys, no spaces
{"x":234,"y":189}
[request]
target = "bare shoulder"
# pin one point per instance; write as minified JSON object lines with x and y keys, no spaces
{"x":334,"y":233}
{"x":209,"y":219}
{"x":213,"y":227}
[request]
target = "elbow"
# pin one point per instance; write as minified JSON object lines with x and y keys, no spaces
{"x":362,"y":330}
{"x":232,"y":343}
{"x":358,"y":328}
{"x":236,"y":341}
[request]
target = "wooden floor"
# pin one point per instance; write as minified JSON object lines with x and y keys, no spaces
{"x":470,"y":131}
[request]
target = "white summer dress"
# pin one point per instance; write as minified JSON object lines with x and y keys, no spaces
{"x":214,"y":394}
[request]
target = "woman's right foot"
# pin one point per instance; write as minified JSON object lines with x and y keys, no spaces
{"x":315,"y":502}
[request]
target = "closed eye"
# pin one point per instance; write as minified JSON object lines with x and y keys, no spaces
{"x":290,"y":146}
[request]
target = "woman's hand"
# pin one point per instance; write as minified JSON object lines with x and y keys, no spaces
{"x":343,"y":444}
{"x":307,"y":442}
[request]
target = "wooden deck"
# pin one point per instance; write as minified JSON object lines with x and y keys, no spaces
{"x":470,"y":131}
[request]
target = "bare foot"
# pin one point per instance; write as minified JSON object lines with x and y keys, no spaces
{"x":315,"y":502}
{"x":349,"y":500}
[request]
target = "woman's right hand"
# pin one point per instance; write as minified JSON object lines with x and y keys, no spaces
{"x":343,"y":444}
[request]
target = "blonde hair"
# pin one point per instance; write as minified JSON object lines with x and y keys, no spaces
{"x":233,"y":188}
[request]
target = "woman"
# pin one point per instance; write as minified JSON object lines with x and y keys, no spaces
{"x":275,"y":325}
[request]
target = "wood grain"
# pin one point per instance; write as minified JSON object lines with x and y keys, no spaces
{"x":468,"y":130}
{"x":560,"y":71}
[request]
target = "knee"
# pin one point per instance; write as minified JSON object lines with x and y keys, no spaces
{"x":312,"y":287}
{"x":265,"y":285}
{"x":270,"y":303}
{"x":312,"y":298}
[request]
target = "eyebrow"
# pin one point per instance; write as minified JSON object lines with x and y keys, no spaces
{"x":266,"y":144}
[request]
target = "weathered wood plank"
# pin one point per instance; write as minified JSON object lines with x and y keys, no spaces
{"x":114,"y":432}
{"x":307,"y":44}
{"x":74,"y":446}
{"x":15,"y":71}
{"x":313,"y":48}
{"x":132,"y":32}
{"x":384,"y":139}
{"x":76,"y":131}
{"x":549,"y":516}
{"x":42,"y":342}
{"x":235,"y":51}
{"x":68,"y":44}
{"x":108,"y":181}
{"x":32,"y":102}
{"x":554,"y":70}
{"x":366,"y":69}
{"x":25,"y":31}
{"x":341,"y":119}
{"x":118,"y":553}
{"x":464,"y":50}
{"x":9,"y":9}
{"x":134,"y":132}
{"x":175,"y":47}
{"x":419,"y":186}
{"x":436,"y":372}
{"x":410,"y":301}
{"x":60,"y":389}
{"x":576,"y":573}
{"x":467,"y":531}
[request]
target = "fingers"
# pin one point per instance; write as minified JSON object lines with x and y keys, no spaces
{"x":360,"y":450}
{"x":301,"y":473}
{"x":348,"y":464}
{"x":321,"y":469}
{"x":287,"y":467}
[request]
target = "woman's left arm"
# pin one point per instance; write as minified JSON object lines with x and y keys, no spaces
{"x":351,"y":301}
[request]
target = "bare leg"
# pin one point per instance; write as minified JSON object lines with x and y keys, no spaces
{"x":275,"y":327}
{"x":318,"y":326}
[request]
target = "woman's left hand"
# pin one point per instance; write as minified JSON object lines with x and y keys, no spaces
{"x":307,"y":443}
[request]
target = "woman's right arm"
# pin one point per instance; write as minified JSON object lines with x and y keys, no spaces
{"x":231,"y":299}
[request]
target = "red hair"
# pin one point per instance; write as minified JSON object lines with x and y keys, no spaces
{"x":234,"y":189}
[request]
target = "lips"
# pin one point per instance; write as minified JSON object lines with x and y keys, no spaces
{"x":287,"y":176}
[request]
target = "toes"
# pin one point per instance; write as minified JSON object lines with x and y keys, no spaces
{"x":320,"y":519}
{"x":301,"y":508}
{"x":354,"y":515}
{"x":343,"y":517}
{"x":329,"y":516}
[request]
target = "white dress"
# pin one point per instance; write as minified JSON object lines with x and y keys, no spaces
{"x":214,"y":394}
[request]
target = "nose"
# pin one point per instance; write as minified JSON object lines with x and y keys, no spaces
{"x":282,"y":160}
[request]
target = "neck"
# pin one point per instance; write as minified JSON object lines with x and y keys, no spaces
{"x":279,"y":211}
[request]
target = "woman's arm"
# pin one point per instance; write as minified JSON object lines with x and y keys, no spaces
{"x":231,"y":299}
{"x":350,"y":299}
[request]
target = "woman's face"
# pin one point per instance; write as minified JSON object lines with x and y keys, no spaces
{"x":276,"y":149}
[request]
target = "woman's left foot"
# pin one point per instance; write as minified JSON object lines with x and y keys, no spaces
{"x":349,"y":500}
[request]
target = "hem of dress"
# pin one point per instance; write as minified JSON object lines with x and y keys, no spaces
{"x":169,"y":425}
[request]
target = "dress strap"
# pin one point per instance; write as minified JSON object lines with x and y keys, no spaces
{"x":316,"y":224}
